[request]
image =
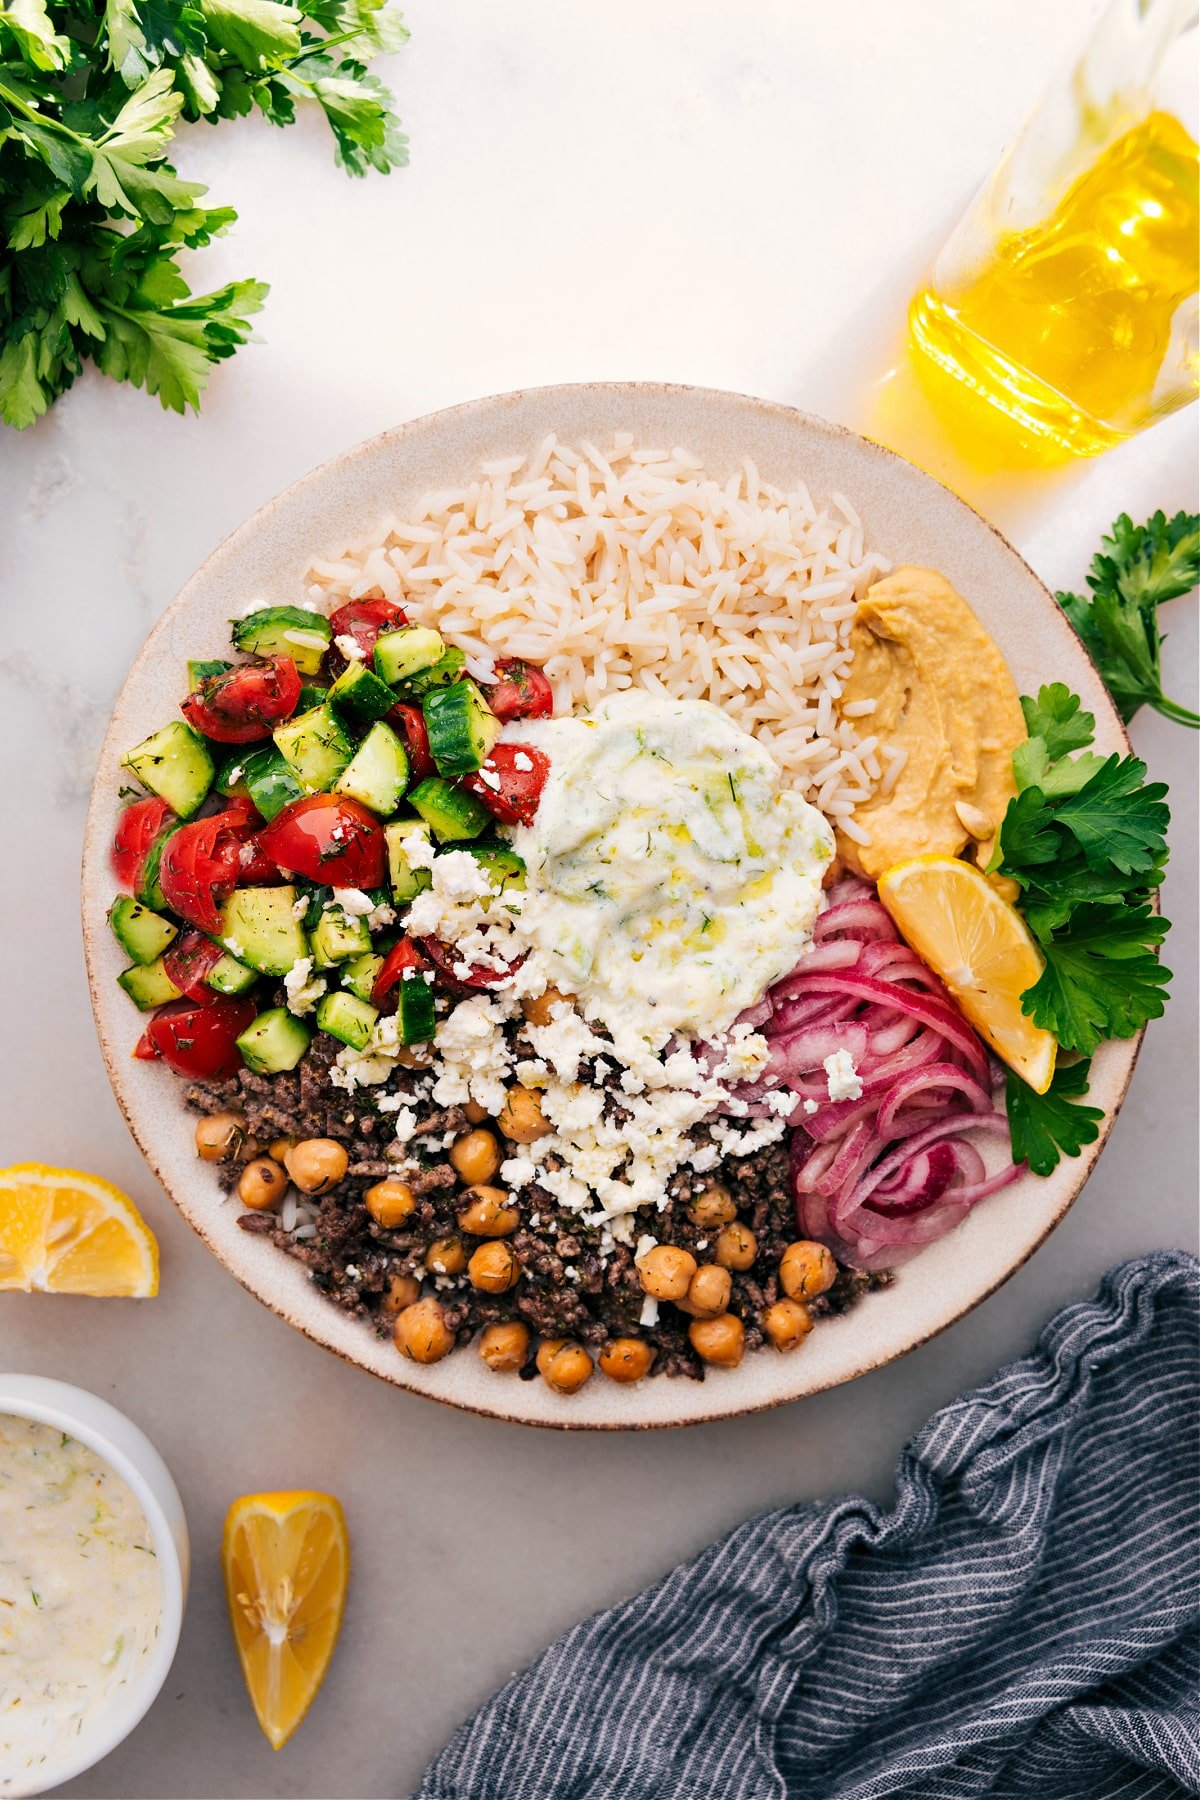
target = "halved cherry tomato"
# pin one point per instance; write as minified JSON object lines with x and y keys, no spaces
{"x":137,"y":828}
{"x":200,"y":1038}
{"x":449,"y":962}
{"x":510,"y":782}
{"x":327,"y":838}
{"x":190,"y":959}
{"x":255,"y":867}
{"x":363,"y":620}
{"x":521,"y":691}
{"x":410,"y":722}
{"x":144,"y":1049}
{"x":200,"y":867}
{"x":245,"y":702}
{"x":401,"y":956}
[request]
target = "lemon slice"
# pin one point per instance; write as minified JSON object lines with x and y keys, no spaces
{"x":63,"y":1232}
{"x":287,"y":1561}
{"x":982,"y":949}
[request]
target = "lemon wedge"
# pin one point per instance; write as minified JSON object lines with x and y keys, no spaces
{"x":286,"y":1559}
{"x":64,"y":1232}
{"x":981,"y":948}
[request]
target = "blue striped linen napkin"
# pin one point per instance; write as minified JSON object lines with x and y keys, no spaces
{"x":1022,"y":1623}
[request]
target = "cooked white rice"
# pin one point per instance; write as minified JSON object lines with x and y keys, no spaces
{"x":635,"y":567}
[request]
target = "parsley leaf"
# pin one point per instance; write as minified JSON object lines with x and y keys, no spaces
{"x":1137,"y":568}
{"x":92,"y":212}
{"x":1101,"y":977}
{"x":1056,"y":716}
{"x":1046,"y":1127}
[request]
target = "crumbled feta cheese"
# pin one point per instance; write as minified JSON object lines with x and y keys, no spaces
{"x":353,"y":902}
{"x":302,"y":988}
{"x":233,"y":947}
{"x":746,"y":1055}
{"x":300,"y":907}
{"x":523,"y":762}
{"x":649,"y":1312}
{"x":781,"y":1101}
{"x":350,"y":647}
{"x":518,"y":1172}
{"x":234,"y":775}
{"x":417,"y":849}
{"x":811,"y":1106}
{"x":844,"y":1083}
{"x":645,"y":1244}
{"x":406,"y":1124}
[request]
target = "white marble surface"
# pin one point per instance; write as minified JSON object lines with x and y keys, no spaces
{"x":741,"y":197}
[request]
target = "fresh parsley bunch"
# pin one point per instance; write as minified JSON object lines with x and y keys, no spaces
{"x":1085,"y":841}
{"x":93,"y":215}
{"x":1135,"y":570}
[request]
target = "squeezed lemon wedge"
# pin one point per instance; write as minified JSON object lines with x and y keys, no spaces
{"x":64,"y":1232}
{"x":981,"y":949}
{"x":286,"y":1559}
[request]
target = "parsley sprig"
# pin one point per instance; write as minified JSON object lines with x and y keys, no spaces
{"x":1085,"y":841}
{"x":92,"y":214}
{"x":1135,"y":570}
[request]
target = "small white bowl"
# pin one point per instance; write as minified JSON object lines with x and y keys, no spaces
{"x":131,"y":1455}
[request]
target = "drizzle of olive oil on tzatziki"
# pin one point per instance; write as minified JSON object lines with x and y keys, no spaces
{"x":80,"y":1597}
{"x":671,"y":876}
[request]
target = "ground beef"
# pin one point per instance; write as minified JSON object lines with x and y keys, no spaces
{"x":567,"y":1288}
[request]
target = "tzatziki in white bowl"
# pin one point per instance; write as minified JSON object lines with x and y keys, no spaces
{"x":93,"y":1578}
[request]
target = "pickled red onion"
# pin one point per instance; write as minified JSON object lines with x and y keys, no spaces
{"x":878,"y":1176}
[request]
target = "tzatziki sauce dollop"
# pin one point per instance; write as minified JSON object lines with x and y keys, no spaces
{"x":671,"y":875}
{"x":80,"y":1598}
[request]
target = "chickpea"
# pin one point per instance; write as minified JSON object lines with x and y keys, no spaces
{"x":390,"y":1203}
{"x":627,"y":1359}
{"x":421,"y":1332}
{"x":736,"y":1246}
{"x":475,"y":1113}
{"x":278,"y":1148}
{"x":708,"y":1292}
{"x":475,"y":1157}
{"x":564,"y":1365}
{"x":220,"y":1136}
{"x":505,"y":1347}
{"x":720,"y":1341}
{"x":261,"y":1184}
{"x":713,"y":1206}
{"x":666,"y":1271}
{"x":316,"y":1164}
{"x":521,"y":1118}
{"x":402,"y":1291}
{"x":488,"y":1213}
{"x":806,"y":1270}
{"x":537,"y":1009}
{"x":446,"y":1256}
{"x":787,"y":1323}
{"x":494,"y":1267}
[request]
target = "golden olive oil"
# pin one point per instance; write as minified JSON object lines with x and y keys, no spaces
{"x":1072,"y":330}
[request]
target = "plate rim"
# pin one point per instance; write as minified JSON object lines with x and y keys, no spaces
{"x":94,"y":863}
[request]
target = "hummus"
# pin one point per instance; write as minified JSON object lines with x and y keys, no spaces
{"x":942,"y":694}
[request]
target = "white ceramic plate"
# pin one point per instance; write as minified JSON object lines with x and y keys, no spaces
{"x":909,"y":517}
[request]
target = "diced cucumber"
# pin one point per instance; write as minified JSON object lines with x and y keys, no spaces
{"x":149,"y":888}
{"x":407,"y":881}
{"x":446,"y":669}
{"x":359,"y":974}
{"x":414,"y":1009}
{"x":142,"y":934}
{"x":377,"y":774}
{"x":450,"y":812}
{"x":274,"y":1042}
{"x":285,"y":631}
{"x":312,"y":693}
{"x":201,"y":671}
{"x":231,"y":775}
{"x":360,"y":696}
{"x":270,"y":784}
{"x":262,"y":925}
{"x":230,"y":976}
{"x":347,"y":1018}
{"x":504,"y":867}
{"x":462,"y":727}
{"x":148,"y":986}
{"x":399,"y":655}
{"x":314,"y":747}
{"x":176,"y":764}
{"x":336,"y":937}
